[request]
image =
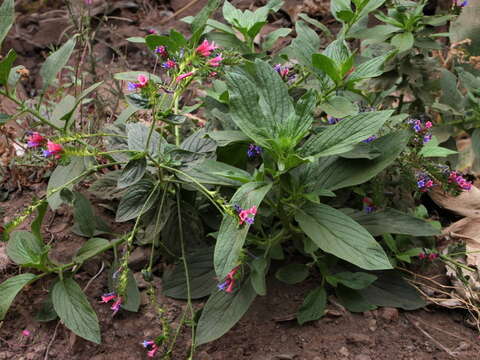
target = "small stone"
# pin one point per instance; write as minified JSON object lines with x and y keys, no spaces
{"x":389,"y":314}
{"x":362,"y":357}
{"x":283,"y":338}
{"x":138,"y":259}
{"x":360,"y":339}
{"x":372,"y":324}
{"x":344,"y":351}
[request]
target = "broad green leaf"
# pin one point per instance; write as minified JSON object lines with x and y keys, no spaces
{"x":105,"y":187}
{"x":339,"y":107}
{"x":369,"y":69}
{"x":431,"y":149}
{"x":37,"y":223}
{"x":369,"y":6}
{"x":60,"y":176}
{"x":259,"y":267}
{"x":335,"y":173}
{"x":222,"y":311}
{"x":136,"y":39}
{"x":132,"y":173}
{"x":200,"y":20}
{"x":356,"y":280}
{"x":342,"y":137}
{"x":84,"y":215}
{"x":55,"y":62}
{"x":272,"y":37}
{"x":5,"y":66}
{"x":67,"y":118}
{"x":25,"y":249}
{"x":73,"y":308}
{"x":7,"y":15}
{"x":339,"y":52}
{"x":132,"y":294}
{"x":10,"y":288}
{"x":139,"y":197}
{"x":327,"y":65}
{"x":392,"y":290}
{"x":215,"y":173}
{"x":313,"y":307}
{"x":304,"y":45}
{"x":137,"y":139}
{"x":231,"y":236}
{"x":292,"y":273}
{"x":126,"y":114}
{"x":202,"y":276}
{"x":91,"y":247}
{"x":377,"y":33}
{"x":403,"y":41}
{"x":353,"y":299}
{"x":133,"y":75}
{"x":62,"y":108}
{"x":391,"y":221}
{"x":337,"y":234}
{"x":316,"y":23}
{"x":47,"y":312}
{"x":337,"y":6}
{"x":227,"y":137}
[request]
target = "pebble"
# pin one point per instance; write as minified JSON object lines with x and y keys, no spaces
{"x":283,"y":338}
{"x":344,"y":351}
{"x":389,"y":314}
{"x":360,"y":339}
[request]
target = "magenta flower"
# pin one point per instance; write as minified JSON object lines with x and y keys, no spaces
{"x":161,"y":50}
{"x":424,"y":182}
{"x":116,"y":305}
{"x":206,"y":48}
{"x":151,"y":347}
{"x":462,"y":183}
{"x":117,"y":301}
{"x":26,"y":332}
{"x":169,"y":64}
{"x":247,"y":216}
{"x":88,"y":2}
{"x":215,"y":61}
{"x":183,"y":76}
{"x":282,"y":70}
{"x":35,"y":140}
{"x":152,"y":31}
{"x":229,"y":282}
{"x":53,"y":149}
{"x":108,"y":297}
{"x":432,"y":256}
{"x":422,"y":256}
{"x":142,"y":80}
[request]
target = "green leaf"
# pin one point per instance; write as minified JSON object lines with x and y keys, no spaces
{"x":339,"y":107}
{"x":292,"y":273}
{"x":215,"y":173}
{"x":272,"y":37}
{"x":137,"y":139}
{"x":136,"y":39}
{"x":335,"y":173}
{"x":431,"y":149}
{"x":7,"y":15}
{"x":105,"y":187}
{"x":338,"y":6}
{"x":369,"y":69}
{"x":25,"y":249}
{"x":132,"y":173}
{"x":73,"y":308}
{"x":5,"y":66}
{"x":83,"y":214}
{"x":10,"y":288}
{"x":356,"y":280}
{"x":342,"y":137}
{"x":403,"y":41}
{"x":337,"y":234}
{"x":231,"y":236}
{"x":61,"y":109}
{"x":328,"y":66}
{"x":55,"y":62}
{"x":202,"y":276}
{"x":4,"y":118}
{"x":47,"y":312}
{"x":90,"y":247}
{"x":313,"y":307}
{"x":391,"y":290}
{"x":135,"y":200}
{"x":132,"y":294}
{"x":316,"y":23}
{"x":61,"y":175}
{"x":353,"y":299}
{"x":304,"y":45}
{"x":200,"y":20}
{"x":227,"y":137}
{"x":37,"y":223}
{"x":259,"y":268}
{"x":222,"y":311}
{"x":391,"y":221}
{"x":133,"y":75}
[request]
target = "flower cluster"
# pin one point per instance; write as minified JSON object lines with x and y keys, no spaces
{"x":169,"y":64}
{"x":205,"y":48}
{"x":432,"y":256}
{"x":36,"y":140}
{"x":254,"y":150}
{"x":282,"y":70}
{"x":162,"y":51}
{"x":455,"y":177}
{"x":424,"y":182}
{"x":229,"y":282}
{"x":142,"y":81}
{"x":151,"y":347}
{"x":246,"y":216}
{"x":117,"y":301}
{"x":422,"y":129}
{"x":460,"y":3}
{"x":369,"y":206}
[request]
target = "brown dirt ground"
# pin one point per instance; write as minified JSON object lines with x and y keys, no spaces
{"x":265,"y":333}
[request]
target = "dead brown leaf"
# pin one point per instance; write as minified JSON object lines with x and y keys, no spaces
{"x":466,"y":204}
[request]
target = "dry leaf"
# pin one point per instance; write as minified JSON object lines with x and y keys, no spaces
{"x":468,"y":230}
{"x":466,"y":204}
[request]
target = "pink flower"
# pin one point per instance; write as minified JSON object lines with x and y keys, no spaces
{"x":206,"y":48}
{"x":428,"y":124}
{"x":142,"y":80}
{"x":53,"y":149}
{"x":169,"y":64}
{"x":116,"y":305}
{"x":245,"y":217}
{"x":108,"y":297}
{"x":151,"y":347}
{"x":229,"y":282}
{"x":152,"y":31}
{"x":215,"y":61}
{"x":26,"y":332}
{"x":183,"y":76}
{"x":88,"y":2}
{"x":422,"y":256}
{"x":35,"y":140}
{"x":152,"y":352}
{"x":161,"y":50}
{"x":432,"y":256}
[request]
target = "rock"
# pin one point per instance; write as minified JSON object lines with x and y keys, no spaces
{"x":360,"y":339}
{"x":283,"y":338}
{"x":138,"y":258}
{"x":362,"y":357}
{"x":372,"y":324}
{"x":389,"y":314}
{"x":344,"y":352}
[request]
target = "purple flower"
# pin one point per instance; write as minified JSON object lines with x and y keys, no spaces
{"x":333,"y":120}
{"x":424,"y":182}
{"x":254,"y":151}
{"x":131,"y":86}
{"x":161,"y":50}
{"x":169,"y":64}
{"x":370,"y":139}
{"x":427,"y":138}
{"x":282,"y":70}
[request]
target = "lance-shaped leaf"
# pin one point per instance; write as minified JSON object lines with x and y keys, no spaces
{"x":343,"y":136}
{"x":231,"y":236}
{"x":10,"y":288}
{"x":7,"y":14}
{"x":222,"y":311}
{"x":55,"y":62}
{"x":337,"y":234}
